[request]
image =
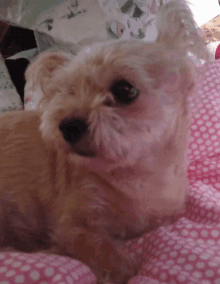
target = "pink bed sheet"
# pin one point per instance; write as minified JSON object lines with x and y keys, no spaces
{"x":187,"y":251}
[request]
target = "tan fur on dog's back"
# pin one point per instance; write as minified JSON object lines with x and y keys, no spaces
{"x":43,"y":203}
{"x":24,"y":152}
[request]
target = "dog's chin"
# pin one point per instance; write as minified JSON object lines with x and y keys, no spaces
{"x":94,"y":164}
{"x":88,"y":156}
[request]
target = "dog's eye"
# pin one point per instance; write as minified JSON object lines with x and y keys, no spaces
{"x":124,"y":92}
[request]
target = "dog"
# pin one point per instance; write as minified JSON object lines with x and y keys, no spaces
{"x":103,"y":158}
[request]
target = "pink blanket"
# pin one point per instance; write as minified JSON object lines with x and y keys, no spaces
{"x":187,"y":251}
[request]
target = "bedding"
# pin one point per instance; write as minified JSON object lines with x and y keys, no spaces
{"x":187,"y":251}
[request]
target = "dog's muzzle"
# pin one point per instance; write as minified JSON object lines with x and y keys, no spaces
{"x":75,"y":132}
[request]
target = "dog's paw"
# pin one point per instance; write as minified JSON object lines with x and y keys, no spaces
{"x":122,"y":269}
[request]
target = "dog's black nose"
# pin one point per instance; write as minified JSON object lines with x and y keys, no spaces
{"x":73,"y":130}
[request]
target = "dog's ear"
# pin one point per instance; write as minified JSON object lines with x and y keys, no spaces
{"x":177,"y":29}
{"x":44,"y":67}
{"x":173,"y":73}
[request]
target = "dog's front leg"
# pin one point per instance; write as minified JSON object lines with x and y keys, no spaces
{"x":96,"y":249}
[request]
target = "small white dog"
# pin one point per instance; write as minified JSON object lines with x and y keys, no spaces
{"x":103,"y":159}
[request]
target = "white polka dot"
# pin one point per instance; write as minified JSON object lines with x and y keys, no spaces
{"x":22,"y":257}
{"x":49,"y":271}
{"x":163,"y":256}
{"x":217,"y":281}
{"x":181,"y":260}
{"x":40,"y":265}
{"x":209,"y":273}
{"x":161,"y":246}
{"x":177,"y":247}
{"x":184,"y":251}
{"x":170,"y":262}
{"x":181,"y":278}
{"x":188,"y":267}
{"x":2,"y":256}
{"x":140,"y":241}
{"x":62,"y":270}
{"x":203,"y":256}
{"x":57,"y":277}
{"x":14,"y":254}
{"x":19,"y":279}
{"x":205,"y":136}
{"x":139,"y":251}
{"x":202,"y":148}
{"x":75,"y":276}
{"x":163,"y":276}
{"x":194,"y":127}
{"x":208,"y":123}
{"x":154,"y":271}
{"x":192,"y":257}
{"x":31,"y":260}
{"x":9,"y":261}
{"x":200,"y":265}
{"x":132,"y":255}
{"x":10,"y":273}
{"x":197,"y":274}
{"x":215,"y":233}
{"x":173,"y":254}
{"x":204,"y":233}
{"x":205,"y":117}
{"x":4,"y":282}
{"x":211,"y":242}
{"x":173,"y":271}
{"x":3,"y":269}
{"x":16,"y":264}
{"x":210,"y":251}
{"x":165,"y":267}
{"x":212,"y":264}
{"x":69,"y":280}
{"x":184,"y":232}
{"x":167,"y":249}
{"x":35,"y":275}
{"x":25,"y":268}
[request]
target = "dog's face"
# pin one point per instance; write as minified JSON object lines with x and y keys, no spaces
{"x":115,"y":104}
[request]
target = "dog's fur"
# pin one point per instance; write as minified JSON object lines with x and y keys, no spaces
{"x":124,"y":174}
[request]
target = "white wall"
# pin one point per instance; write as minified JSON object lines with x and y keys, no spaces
{"x":204,"y":10}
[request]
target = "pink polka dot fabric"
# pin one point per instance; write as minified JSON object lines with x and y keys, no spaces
{"x":41,"y":268}
{"x":187,"y":251}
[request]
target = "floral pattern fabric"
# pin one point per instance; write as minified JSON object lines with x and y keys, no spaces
{"x":9,"y":98}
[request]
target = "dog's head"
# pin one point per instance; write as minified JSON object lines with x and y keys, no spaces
{"x":117,"y":102}
{"x":113,"y":104}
